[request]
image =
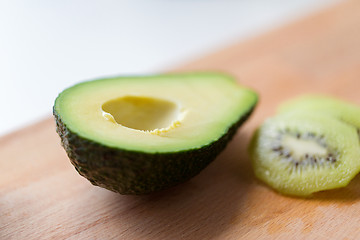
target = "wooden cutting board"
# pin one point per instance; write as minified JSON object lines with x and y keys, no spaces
{"x":42,"y":196}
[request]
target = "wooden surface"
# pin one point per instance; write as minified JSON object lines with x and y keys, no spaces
{"x":42,"y":196}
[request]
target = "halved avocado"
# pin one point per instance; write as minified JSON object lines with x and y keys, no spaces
{"x":136,"y":135}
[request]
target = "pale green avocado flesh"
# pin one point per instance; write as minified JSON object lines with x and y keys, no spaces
{"x":136,"y":135}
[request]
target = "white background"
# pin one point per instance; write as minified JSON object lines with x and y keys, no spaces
{"x":46,"y":46}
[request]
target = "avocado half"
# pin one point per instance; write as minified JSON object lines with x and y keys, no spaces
{"x":136,"y":135}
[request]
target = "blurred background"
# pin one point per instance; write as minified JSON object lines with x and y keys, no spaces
{"x":46,"y":46}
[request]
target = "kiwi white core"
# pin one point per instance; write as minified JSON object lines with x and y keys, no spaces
{"x":300,"y":147}
{"x":146,"y":114}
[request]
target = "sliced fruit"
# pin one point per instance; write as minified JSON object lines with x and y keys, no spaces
{"x":136,"y":135}
{"x":299,"y":153}
{"x":345,"y":111}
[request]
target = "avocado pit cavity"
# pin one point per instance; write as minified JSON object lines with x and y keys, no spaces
{"x":143,"y":113}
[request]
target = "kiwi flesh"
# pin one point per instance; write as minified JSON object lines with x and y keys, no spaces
{"x":343,"y":110}
{"x":299,"y":153}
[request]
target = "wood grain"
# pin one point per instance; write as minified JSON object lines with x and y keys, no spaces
{"x":42,"y":196}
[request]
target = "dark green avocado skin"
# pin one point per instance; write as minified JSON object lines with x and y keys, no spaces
{"x":130,"y":172}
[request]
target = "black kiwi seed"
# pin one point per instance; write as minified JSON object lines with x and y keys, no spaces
{"x":276,"y":149}
{"x":311,"y":135}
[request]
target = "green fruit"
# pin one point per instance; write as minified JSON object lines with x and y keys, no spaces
{"x":299,"y":153}
{"x":136,"y":135}
{"x":345,"y":111}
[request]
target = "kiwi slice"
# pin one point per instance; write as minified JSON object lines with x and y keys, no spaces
{"x":299,"y":153}
{"x":343,"y":110}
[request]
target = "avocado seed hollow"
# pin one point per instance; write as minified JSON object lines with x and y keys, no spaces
{"x":146,"y":114}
